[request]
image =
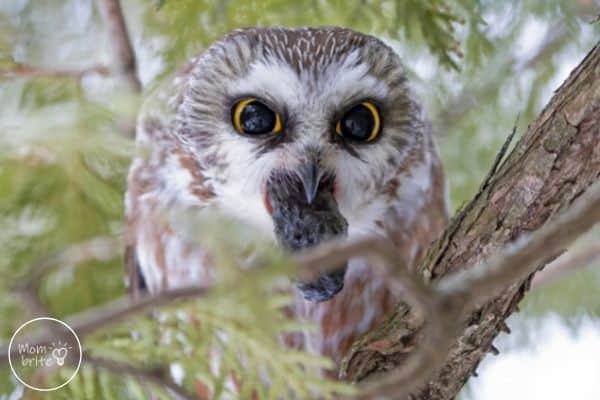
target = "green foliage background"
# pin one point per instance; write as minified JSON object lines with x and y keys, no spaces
{"x":63,"y":156}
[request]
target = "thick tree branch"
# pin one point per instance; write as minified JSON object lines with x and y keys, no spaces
{"x":553,"y":164}
{"x":481,"y":283}
{"x":455,"y":296}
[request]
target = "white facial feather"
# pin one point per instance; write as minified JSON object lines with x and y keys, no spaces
{"x":311,"y":100}
{"x":311,"y":92}
{"x":192,"y":157}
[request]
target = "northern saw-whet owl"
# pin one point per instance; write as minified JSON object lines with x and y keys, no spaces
{"x":306,"y":134}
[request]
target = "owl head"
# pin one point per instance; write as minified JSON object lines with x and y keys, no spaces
{"x":304,"y":133}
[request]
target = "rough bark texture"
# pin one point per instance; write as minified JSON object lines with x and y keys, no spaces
{"x":549,"y":167}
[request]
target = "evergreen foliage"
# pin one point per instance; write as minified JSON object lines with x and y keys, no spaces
{"x":64,"y":158}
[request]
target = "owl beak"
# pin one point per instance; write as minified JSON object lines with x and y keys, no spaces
{"x":310,"y":174}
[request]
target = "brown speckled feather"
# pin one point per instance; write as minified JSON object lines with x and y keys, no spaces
{"x":191,"y":157}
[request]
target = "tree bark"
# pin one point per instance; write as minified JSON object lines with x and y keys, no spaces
{"x":551,"y":165}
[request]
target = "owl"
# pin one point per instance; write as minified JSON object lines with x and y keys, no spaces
{"x":307,"y":135}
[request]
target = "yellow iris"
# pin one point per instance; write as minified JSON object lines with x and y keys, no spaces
{"x":239,"y":108}
{"x":353,"y":113}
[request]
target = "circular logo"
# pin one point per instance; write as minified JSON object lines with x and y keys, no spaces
{"x":31,"y":358}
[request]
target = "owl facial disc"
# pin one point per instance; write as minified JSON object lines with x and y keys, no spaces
{"x":305,"y":214}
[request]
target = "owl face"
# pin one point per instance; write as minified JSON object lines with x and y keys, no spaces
{"x":319,"y":119}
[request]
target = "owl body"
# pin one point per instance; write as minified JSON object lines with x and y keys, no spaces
{"x":303,"y":82}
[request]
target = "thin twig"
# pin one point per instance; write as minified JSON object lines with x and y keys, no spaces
{"x":421,"y":363}
{"x":100,"y":248}
{"x":159,"y":376}
{"x":441,"y":329}
{"x":123,"y":55}
{"x":31,"y":71}
{"x":90,"y":321}
{"x":329,"y":256}
{"x":457,"y":107}
{"x":32,"y":302}
{"x":567,"y":264}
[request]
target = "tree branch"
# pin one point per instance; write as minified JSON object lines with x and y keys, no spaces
{"x":481,"y":283}
{"x":468,"y":98}
{"x":31,"y":71}
{"x":98,"y":248}
{"x":552,"y":165}
{"x":567,"y":264}
{"x":123,"y":55}
{"x":456,"y":295}
{"x":159,"y":376}
{"x":100,"y":317}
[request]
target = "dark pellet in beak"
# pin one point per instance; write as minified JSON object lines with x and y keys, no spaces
{"x":305,"y":216}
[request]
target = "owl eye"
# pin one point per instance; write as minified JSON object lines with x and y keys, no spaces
{"x":252,"y":117}
{"x":362,"y":123}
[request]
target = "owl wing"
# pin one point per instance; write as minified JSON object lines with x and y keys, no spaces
{"x":164,"y":178}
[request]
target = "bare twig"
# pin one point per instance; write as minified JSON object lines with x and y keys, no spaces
{"x":329,"y":256}
{"x":518,"y":260}
{"x":111,"y":313}
{"x":32,"y":302}
{"x":441,"y":326}
{"x":159,"y":376}
{"x":468,"y":98}
{"x":567,"y":264}
{"x":31,"y":71}
{"x":100,"y":248}
{"x":123,"y":55}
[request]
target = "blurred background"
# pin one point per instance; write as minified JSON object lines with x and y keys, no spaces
{"x":477,"y":65}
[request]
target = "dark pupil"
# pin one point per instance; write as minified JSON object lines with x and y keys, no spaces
{"x":358,"y":123}
{"x":256,"y":118}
